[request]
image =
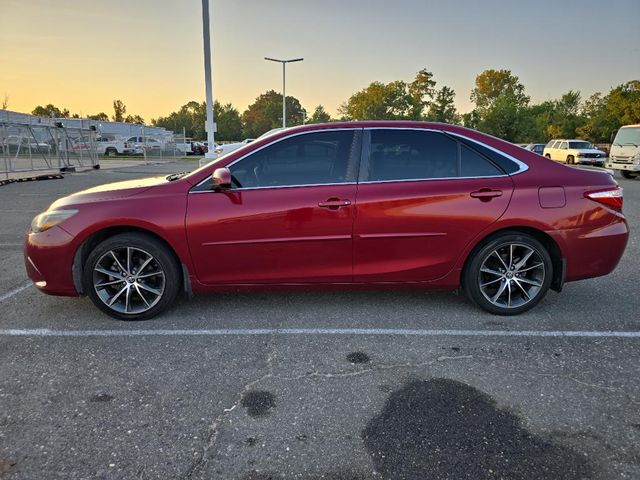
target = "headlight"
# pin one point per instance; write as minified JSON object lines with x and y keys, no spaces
{"x":47,"y":220}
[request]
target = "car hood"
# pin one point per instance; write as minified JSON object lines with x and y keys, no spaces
{"x":110,"y":191}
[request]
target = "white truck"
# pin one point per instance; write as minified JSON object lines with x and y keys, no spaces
{"x":111,"y":146}
{"x":625,"y":151}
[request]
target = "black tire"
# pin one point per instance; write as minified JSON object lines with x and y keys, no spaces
{"x":132,"y":250}
{"x":548,"y":156}
{"x":473,"y":279}
{"x":571,"y":160}
{"x":110,"y":152}
{"x":628,"y":175}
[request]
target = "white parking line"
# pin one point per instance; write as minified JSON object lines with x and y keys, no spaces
{"x":45,"y":332}
{"x":15,"y":291}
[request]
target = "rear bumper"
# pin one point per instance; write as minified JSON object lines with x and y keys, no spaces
{"x":48,"y":258}
{"x":592,"y":252}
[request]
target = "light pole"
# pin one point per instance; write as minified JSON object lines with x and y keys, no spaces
{"x":207,"y":80}
{"x":284,"y":95}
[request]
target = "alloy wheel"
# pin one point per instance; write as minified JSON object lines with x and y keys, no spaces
{"x":129,"y":280}
{"x":512,"y":275}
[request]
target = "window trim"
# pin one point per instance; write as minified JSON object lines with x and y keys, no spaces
{"x":367,"y":147}
{"x":196,"y":187}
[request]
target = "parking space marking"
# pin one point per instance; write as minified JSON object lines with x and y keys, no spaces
{"x":15,"y":291}
{"x":45,"y":332}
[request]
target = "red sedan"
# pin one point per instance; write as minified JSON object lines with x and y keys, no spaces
{"x":341,"y":205}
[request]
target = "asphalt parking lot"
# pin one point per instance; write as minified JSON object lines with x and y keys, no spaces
{"x":332,"y":385}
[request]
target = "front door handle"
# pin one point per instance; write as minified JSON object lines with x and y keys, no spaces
{"x":334,"y":203}
{"x":486,"y":194}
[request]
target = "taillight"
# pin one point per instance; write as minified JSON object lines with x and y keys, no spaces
{"x":611,"y":197}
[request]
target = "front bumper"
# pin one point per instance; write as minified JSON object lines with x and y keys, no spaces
{"x":629,"y":167}
{"x":48,"y":258}
{"x":590,"y":161}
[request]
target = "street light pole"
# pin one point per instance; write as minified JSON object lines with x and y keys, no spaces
{"x":284,"y":84}
{"x":207,"y":80}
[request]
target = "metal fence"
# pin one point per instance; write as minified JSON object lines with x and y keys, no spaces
{"x":28,"y":146}
{"x":35,"y":144}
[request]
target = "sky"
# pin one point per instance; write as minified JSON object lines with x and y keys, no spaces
{"x":82,"y":54}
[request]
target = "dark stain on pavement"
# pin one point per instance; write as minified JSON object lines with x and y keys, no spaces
{"x":101,"y":397}
{"x":346,"y":475}
{"x":251,"y":441}
{"x":6,"y":466}
{"x":443,"y":429}
{"x":358,"y":357}
{"x":258,"y":402}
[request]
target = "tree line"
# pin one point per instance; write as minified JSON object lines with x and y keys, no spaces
{"x":119,"y":111}
{"x":501,"y":108}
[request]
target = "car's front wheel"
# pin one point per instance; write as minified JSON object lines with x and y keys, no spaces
{"x":131,"y":276}
{"x":509,"y":274}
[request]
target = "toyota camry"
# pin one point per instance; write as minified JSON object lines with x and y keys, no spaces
{"x":340,"y":205}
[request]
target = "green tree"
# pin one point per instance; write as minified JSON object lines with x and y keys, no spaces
{"x":103,"y":117}
{"x":501,"y":105}
{"x":621,"y":106}
{"x":505,"y":119}
{"x":266,"y":113}
{"x":422,"y":91}
{"x":134,"y":119}
{"x":379,"y":101}
{"x":50,"y":110}
{"x":319,"y":115}
{"x":228,"y":121}
{"x":492,"y":85}
{"x":399,"y":100}
{"x":442,"y":107}
{"x":191,"y":118}
{"x":119,"y":109}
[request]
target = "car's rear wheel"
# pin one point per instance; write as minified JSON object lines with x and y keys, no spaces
{"x":111,"y":152}
{"x":509,"y":274}
{"x":131,"y":276}
{"x":629,"y":175}
{"x":571,"y":160}
{"x":548,"y":156}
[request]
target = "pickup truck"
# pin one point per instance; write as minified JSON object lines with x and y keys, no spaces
{"x":112,"y":146}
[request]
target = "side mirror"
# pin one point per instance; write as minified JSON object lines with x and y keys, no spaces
{"x":221,"y":178}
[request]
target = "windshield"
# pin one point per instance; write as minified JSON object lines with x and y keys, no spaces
{"x":628,"y":136}
{"x":580,"y":145}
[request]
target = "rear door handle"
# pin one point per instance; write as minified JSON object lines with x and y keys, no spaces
{"x":334,"y":203}
{"x":486,"y":194}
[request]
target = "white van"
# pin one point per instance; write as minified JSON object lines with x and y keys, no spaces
{"x":625,"y":151}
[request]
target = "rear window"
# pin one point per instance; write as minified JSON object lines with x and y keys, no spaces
{"x":505,"y":164}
